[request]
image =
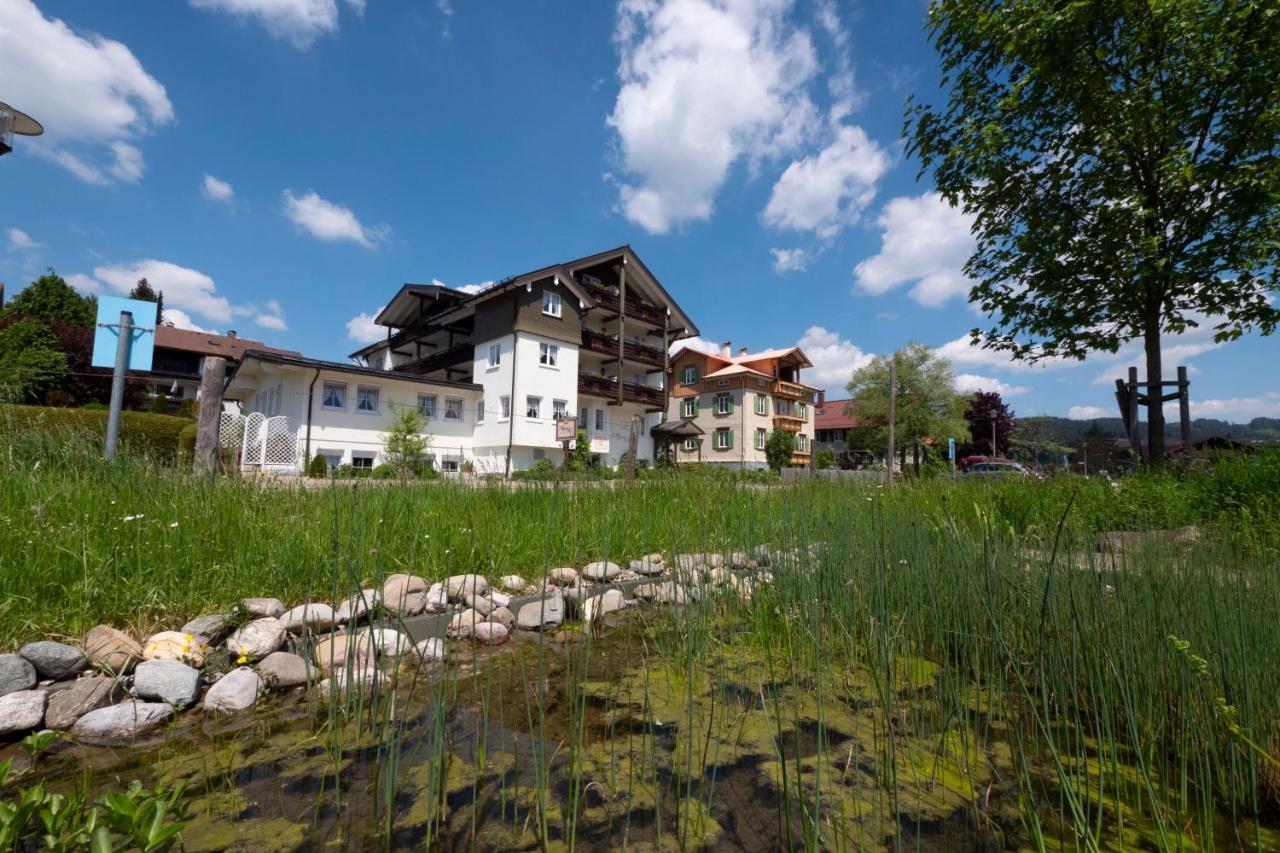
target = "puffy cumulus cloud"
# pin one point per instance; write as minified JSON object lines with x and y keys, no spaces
{"x":1084,"y":413}
{"x":1264,"y":405}
{"x":184,"y":288}
{"x":182,"y":320}
{"x":90,"y":93}
{"x":19,"y":239}
{"x":696,"y":343}
{"x":834,"y":358}
{"x":969,"y":383}
{"x":704,"y":84}
{"x":86,"y":285}
{"x":363,"y":330}
{"x":963,"y":353}
{"x":217,"y":190}
{"x":790,"y":260}
{"x":925,"y":242}
{"x":823,"y":193}
{"x":331,"y":222}
{"x":299,"y":22}
{"x":271,"y":317}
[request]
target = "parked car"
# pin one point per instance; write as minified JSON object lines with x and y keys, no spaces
{"x":996,"y":470}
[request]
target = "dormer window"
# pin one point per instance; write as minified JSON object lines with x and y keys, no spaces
{"x":551,"y":303}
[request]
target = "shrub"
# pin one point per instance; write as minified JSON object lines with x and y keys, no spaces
{"x":823,"y":458}
{"x":318,"y":467}
{"x":159,"y":405}
{"x":142,"y":433}
{"x":383,"y":472}
{"x":187,"y":441}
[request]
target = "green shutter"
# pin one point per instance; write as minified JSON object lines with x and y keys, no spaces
{"x":695,"y":406}
{"x":730,"y":445}
{"x":731,"y":404}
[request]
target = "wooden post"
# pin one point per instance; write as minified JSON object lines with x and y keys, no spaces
{"x":1131,"y":417}
{"x":633,"y":444}
{"x":915,"y":458}
{"x":893,"y":406}
{"x":211,"y":378}
{"x":1184,"y":409}
{"x":622,"y":323}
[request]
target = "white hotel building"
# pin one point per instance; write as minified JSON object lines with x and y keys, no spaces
{"x":491,"y":371}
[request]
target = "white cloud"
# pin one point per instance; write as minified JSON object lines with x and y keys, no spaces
{"x":85,"y":284}
{"x":968,"y":383}
{"x":272,"y":317}
{"x":926,"y":242}
{"x":696,"y":343}
{"x":789,"y":260}
{"x":19,"y":239}
{"x":962,"y":353}
{"x":704,"y":84}
{"x":471,"y":289}
{"x":184,"y":288}
{"x":363,"y":330}
{"x":331,"y":222}
{"x":182,"y":320}
{"x":90,"y":93}
{"x":1084,"y":413}
{"x":829,"y":190}
{"x":834,"y":358}
{"x":1264,"y":405}
{"x":299,"y":22}
{"x":217,"y":190}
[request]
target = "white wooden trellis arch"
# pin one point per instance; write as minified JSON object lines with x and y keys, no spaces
{"x":279,"y":443}
{"x":254,"y":435}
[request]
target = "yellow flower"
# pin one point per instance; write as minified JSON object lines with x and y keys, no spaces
{"x":242,"y":659}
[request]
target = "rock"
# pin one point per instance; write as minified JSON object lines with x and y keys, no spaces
{"x":575,"y":593}
{"x":720,"y":575}
{"x":308,"y":618}
{"x":687,"y":562}
{"x":601,"y":570}
{"x":347,"y":680}
{"x":22,"y":711}
{"x":409,"y":604}
{"x":432,"y":650}
{"x":482,"y":604}
{"x":397,"y":588}
{"x":211,"y":630}
{"x":111,"y":650}
{"x":491,"y":633}
{"x":272,"y":607}
{"x":462,"y":623}
{"x":598,"y":605}
{"x":54,"y":660}
{"x":16,"y":673}
{"x":542,"y":614}
{"x":172,"y":645}
{"x":283,"y":670}
{"x":340,"y":650}
{"x":499,"y":598}
{"x":674,"y":593}
{"x":390,"y":642}
{"x":437,"y":599}
{"x":116,"y":723}
{"x":167,"y":681}
{"x":257,"y":639}
{"x":1129,"y":542}
{"x":459,"y":586}
{"x":563,"y":576}
{"x":654,"y":558}
{"x":743,"y":587}
{"x":646,"y":592}
{"x":647,"y":567}
{"x":503,"y":617}
{"x":713,"y":560}
{"x":740,"y":560}
{"x":357,"y":606}
{"x":83,"y":696}
{"x":236,"y":691}
{"x":512,"y":583}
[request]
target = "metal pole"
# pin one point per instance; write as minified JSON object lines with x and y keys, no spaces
{"x":123,"y":344}
{"x":893,"y":404}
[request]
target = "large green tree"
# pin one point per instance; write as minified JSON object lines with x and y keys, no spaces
{"x":927,"y":406}
{"x":987,"y":414}
{"x":30,"y":363}
{"x":1121,"y":161}
{"x":51,"y":299}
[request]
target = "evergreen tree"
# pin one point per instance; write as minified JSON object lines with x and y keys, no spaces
{"x":143,"y":290}
{"x":51,"y":299}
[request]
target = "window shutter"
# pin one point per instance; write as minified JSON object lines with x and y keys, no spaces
{"x":731,"y":404}
{"x":695,"y":407}
{"x":730,"y":437}
{"x":694,"y":373}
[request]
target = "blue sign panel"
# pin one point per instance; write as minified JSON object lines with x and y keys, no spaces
{"x":107,"y":334}
{"x":951,"y":449}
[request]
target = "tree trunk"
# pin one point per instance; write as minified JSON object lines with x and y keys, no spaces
{"x":1155,"y":375}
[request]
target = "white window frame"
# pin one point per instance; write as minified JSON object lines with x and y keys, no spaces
{"x":762,"y":405}
{"x":602,"y":420}
{"x":480,"y":410}
{"x":549,"y":355}
{"x":551,"y":304}
{"x":495,"y":356}
{"x":723,"y":403}
{"x":559,"y":409}
{"x":362,"y":456}
{"x":722,"y":439}
{"x":504,"y":402}
{"x":330,"y":456}
{"x":428,"y":405}
{"x":690,"y":445}
{"x":377,"y":400}
{"x":688,"y":374}
{"x":324,"y":396}
{"x":454,"y":404}
{"x":762,"y":439}
{"x":533,"y":403}
{"x":689,"y":407}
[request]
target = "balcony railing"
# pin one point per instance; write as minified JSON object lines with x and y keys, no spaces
{"x":788,"y":422}
{"x":458,"y":354}
{"x":790,"y":389}
{"x":605,"y":298}
{"x":608,"y":345}
{"x":800,"y":457}
{"x":603,"y":386}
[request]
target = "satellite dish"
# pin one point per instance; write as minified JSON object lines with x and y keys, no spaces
{"x":19,"y":122}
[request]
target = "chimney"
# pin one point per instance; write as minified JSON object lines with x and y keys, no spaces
{"x":726,"y":349}
{"x":822,"y":399}
{"x":742,"y":352}
{"x":231,"y":334}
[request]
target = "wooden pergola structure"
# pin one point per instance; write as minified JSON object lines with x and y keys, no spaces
{"x":668,"y":434}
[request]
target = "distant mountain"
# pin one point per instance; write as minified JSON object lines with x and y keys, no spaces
{"x":1071,"y":432}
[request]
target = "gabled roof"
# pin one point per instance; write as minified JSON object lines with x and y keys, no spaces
{"x":734,"y":370}
{"x":209,"y":343}
{"x":722,"y":365}
{"x":835,"y":414}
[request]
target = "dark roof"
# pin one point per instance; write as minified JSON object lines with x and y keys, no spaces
{"x":684,"y":428}
{"x":210,"y":343}
{"x":343,"y":367}
{"x":834,"y":414}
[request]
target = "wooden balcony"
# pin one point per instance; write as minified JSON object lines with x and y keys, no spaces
{"x":607,"y":345}
{"x":607,"y":300}
{"x":790,"y":390}
{"x":788,"y":422}
{"x":603,"y":386}
{"x":448,"y":359}
{"x":800,"y":457}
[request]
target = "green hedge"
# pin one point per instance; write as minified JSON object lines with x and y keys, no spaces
{"x":156,"y":436}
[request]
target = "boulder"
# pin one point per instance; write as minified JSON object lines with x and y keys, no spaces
{"x":491,"y":633}
{"x":167,"y":681}
{"x":365,"y":679}
{"x":257,"y":639}
{"x":116,"y":723}
{"x":309,"y":618}
{"x":687,"y":562}
{"x":563,"y":576}
{"x":54,"y":660}
{"x":463,"y":622}
{"x":396,"y":587}
{"x":173,"y":645}
{"x":210,"y":630}
{"x":458,"y":586}
{"x":236,"y":691}
{"x":740,"y":560}
{"x":601,"y":570}
{"x":410,"y":604}
{"x":481,"y":604}
{"x":283,"y":670}
{"x":83,"y":696}
{"x":341,"y":650}
{"x":597,"y":606}
{"x":1130,"y":542}
{"x":432,"y":650}
{"x":22,"y":711}
{"x":654,"y":558}
{"x":542,"y":614}
{"x":437,"y":599}
{"x":503,"y":617}
{"x":512,"y":583}
{"x":720,"y":575}
{"x":647,"y":567}
{"x":357,"y":606}
{"x":111,"y":650}
{"x":272,"y":607}
{"x":499,"y":598}
{"x":674,"y":593}
{"x":646,"y":592}
{"x":389,"y":642}
{"x":16,"y":673}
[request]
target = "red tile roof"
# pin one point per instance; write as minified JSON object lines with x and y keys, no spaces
{"x":206,"y":343}
{"x":834,"y":414}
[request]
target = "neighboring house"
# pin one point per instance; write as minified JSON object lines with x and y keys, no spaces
{"x":179,"y":359}
{"x":832,"y":422}
{"x":588,"y":337}
{"x":735,"y":402}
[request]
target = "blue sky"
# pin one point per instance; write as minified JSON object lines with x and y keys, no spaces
{"x":280,"y":167}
